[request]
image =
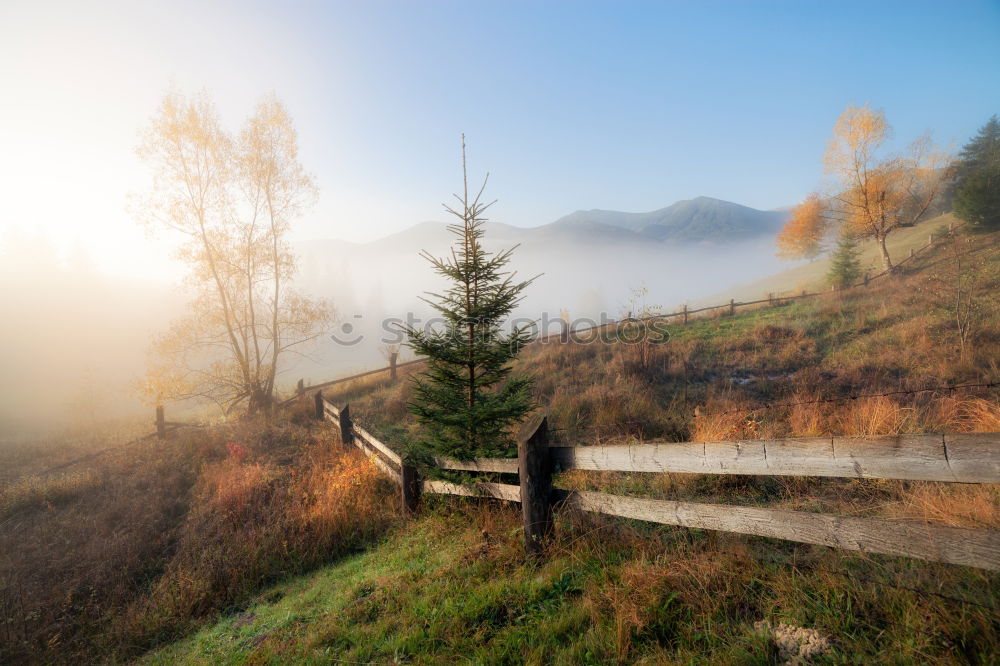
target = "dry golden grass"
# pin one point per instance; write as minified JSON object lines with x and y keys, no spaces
{"x":965,"y":414}
{"x":154,"y":540}
{"x":950,"y":504}
{"x":44,"y":491}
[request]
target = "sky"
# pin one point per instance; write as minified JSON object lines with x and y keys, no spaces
{"x":569,"y":105}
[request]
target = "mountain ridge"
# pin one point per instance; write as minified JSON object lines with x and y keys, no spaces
{"x":689,"y":220}
{"x":698,"y":220}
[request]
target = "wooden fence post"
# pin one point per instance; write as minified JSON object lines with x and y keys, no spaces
{"x":534,"y":466}
{"x":410,"y":488}
{"x":866,"y":278}
{"x":912,"y":252}
{"x":930,"y":239}
{"x":732,"y":306}
{"x":685,"y":313}
{"x":346,"y":426}
{"x":161,"y":423}
{"x":300,"y":388}
{"x":392,"y":365}
{"x":319,"y":414}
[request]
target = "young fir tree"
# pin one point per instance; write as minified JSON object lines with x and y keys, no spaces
{"x":845,"y":267}
{"x":467,"y":401}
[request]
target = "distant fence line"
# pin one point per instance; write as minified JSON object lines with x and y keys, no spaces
{"x":958,"y":458}
{"x":684,"y":315}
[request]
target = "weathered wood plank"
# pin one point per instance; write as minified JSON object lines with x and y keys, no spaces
{"x":377,"y":459}
{"x":502,"y":465}
{"x":969,"y":547}
{"x":379,"y":446}
{"x":974,"y":457}
{"x":385,"y":467}
{"x":968,"y":458}
{"x":502,"y":491}
{"x":372,"y":452}
{"x":914,"y":457}
{"x":331,"y":410}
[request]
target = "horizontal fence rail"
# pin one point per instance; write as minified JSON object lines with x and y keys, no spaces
{"x":503,"y":491}
{"x":499,"y":465}
{"x":953,"y":545}
{"x":970,"y":458}
{"x":966,"y":458}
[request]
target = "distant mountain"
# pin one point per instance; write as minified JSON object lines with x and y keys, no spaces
{"x":700,"y":220}
{"x":589,"y":263}
{"x":692,"y":220}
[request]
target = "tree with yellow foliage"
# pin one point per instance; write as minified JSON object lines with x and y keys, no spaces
{"x":872,"y":194}
{"x":802,"y":235}
{"x":232,"y":201}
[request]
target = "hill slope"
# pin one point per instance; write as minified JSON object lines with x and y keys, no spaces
{"x":898,"y":333}
{"x":811,"y":276}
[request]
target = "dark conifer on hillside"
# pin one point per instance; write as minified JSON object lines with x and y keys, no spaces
{"x":467,"y":401}
{"x":977,"y":179}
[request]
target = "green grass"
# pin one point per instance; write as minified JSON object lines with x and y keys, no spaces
{"x":442,"y":591}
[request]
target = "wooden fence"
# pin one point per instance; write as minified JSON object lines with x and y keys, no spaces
{"x":961,"y":458}
{"x":682,"y":316}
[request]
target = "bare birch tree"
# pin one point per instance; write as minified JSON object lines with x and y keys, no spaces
{"x":232,"y":200}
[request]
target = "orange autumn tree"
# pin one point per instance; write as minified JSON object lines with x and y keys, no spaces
{"x":231,"y":200}
{"x":802,"y":235}
{"x":872,"y":193}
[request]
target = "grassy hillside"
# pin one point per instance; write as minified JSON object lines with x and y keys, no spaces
{"x":452,"y":588}
{"x":811,"y":276}
{"x":896,"y":335}
{"x":265,"y":543}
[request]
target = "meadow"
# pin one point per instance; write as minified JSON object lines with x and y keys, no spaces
{"x":264,"y":541}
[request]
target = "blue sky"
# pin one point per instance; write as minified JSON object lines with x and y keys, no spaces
{"x":635,"y":105}
{"x":569,"y":105}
